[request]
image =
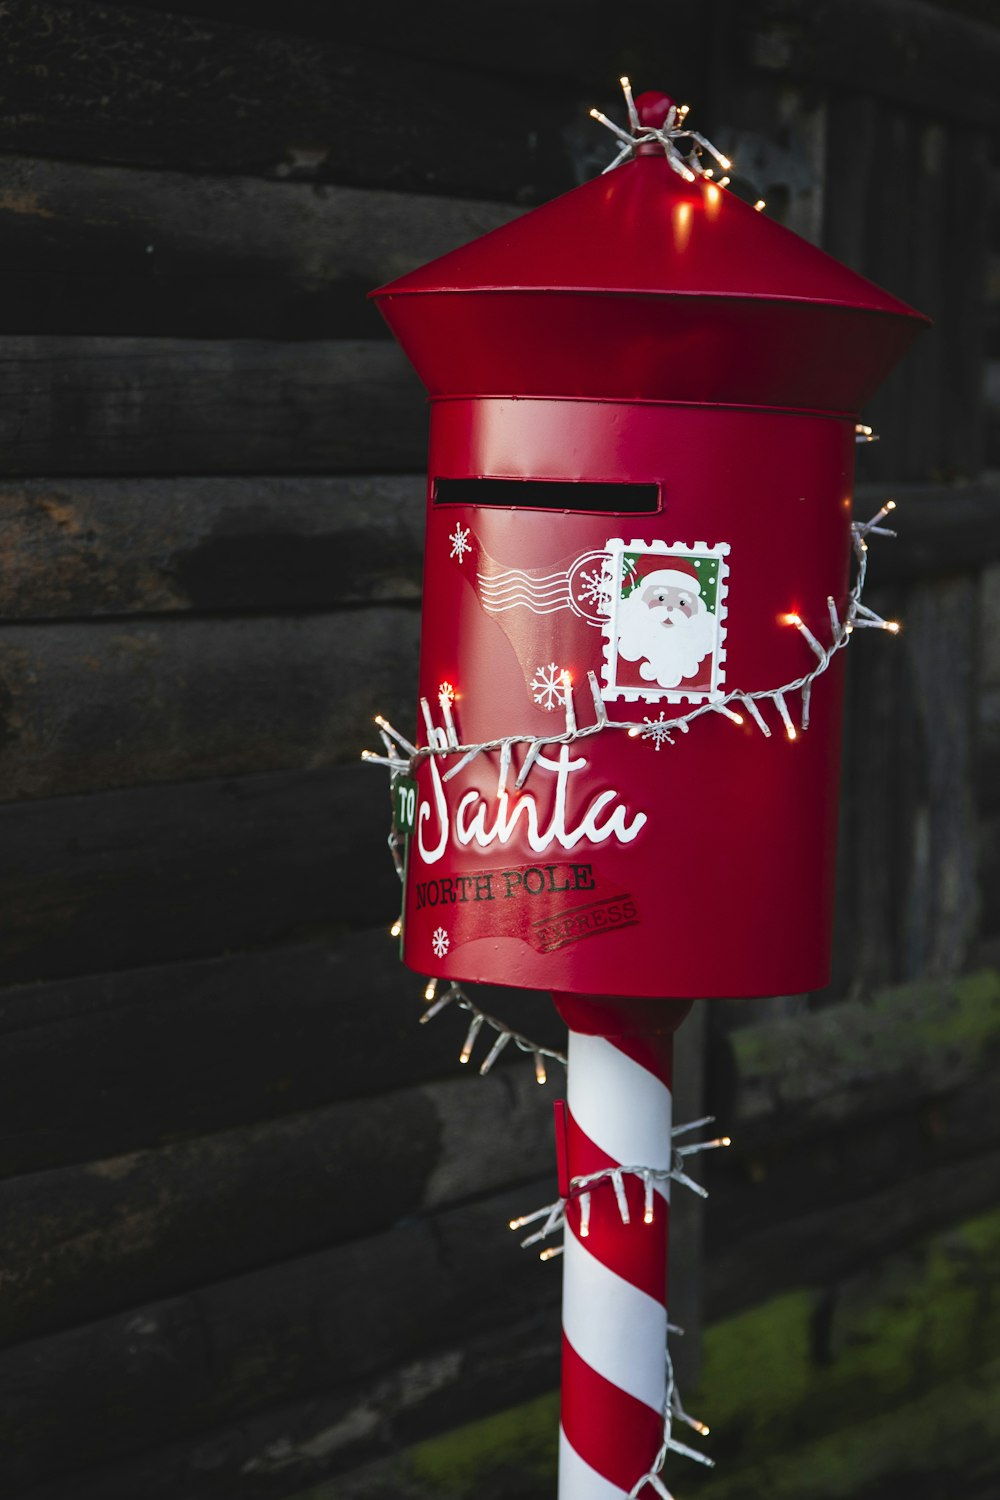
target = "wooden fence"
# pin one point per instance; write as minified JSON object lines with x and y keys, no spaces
{"x":253,"y":1219}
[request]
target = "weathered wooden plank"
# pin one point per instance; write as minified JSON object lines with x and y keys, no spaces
{"x":188,"y":698}
{"x":909,"y":902}
{"x":175,"y":406}
{"x":847,"y":175}
{"x":569,"y":38}
{"x":793,"y":1183}
{"x":789,"y":1390}
{"x":334,"y":1321}
{"x":348,"y":1169}
{"x":251,"y":101}
{"x":219,"y":1043}
{"x":820,"y":1247}
{"x":858,"y":1334}
{"x":84,"y":547}
{"x":910,"y":54}
{"x":117,"y":251}
{"x":904,"y":1451}
{"x":988,"y":705}
{"x":331,"y":1432}
{"x":861,"y":1099}
{"x":177,"y":1369}
{"x":991,"y":399}
{"x":146,"y":876}
{"x":989,"y":874}
{"x":850,"y":1063}
{"x":84,"y":1242}
{"x":687,"y":1210}
{"x":932,"y":233}
{"x":889,"y":258}
{"x":866,"y":224}
{"x":266,"y":1337}
{"x":962,"y":394}
{"x":877,"y":801}
{"x":941,"y":529}
{"x":941,"y":911}
{"x":895,"y":227}
{"x":903,"y":56}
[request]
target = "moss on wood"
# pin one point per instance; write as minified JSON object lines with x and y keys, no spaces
{"x":866,"y":1057}
{"x":888,"y":1385}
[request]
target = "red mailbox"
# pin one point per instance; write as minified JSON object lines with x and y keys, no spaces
{"x":643,"y":402}
{"x":643,"y":405}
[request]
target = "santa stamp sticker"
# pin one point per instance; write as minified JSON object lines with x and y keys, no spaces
{"x":665,"y":630}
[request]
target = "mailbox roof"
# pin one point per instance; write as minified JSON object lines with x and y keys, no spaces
{"x":640,"y":285}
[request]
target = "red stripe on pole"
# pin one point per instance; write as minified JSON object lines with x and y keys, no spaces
{"x":562,"y":1147}
{"x":612,"y":1431}
{"x":654,"y":1052}
{"x":635,"y":1251}
{"x":585,"y":1154}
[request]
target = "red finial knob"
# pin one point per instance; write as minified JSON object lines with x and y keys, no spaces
{"x":652,"y":109}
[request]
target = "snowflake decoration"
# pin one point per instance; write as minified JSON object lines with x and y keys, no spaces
{"x":460,"y":543}
{"x":440,"y":942}
{"x":549,"y":686}
{"x":658,"y":732}
{"x":596,"y":588}
{"x":446,"y":693}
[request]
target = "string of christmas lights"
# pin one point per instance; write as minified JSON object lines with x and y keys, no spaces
{"x":554,"y":1214}
{"x":403,"y":758}
{"x":673,"y":1410}
{"x":455,"y":995}
{"x":857,"y":616}
{"x":581,"y":1188}
{"x":686,"y":164}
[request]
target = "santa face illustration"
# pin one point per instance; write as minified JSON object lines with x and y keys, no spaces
{"x":665,"y":625}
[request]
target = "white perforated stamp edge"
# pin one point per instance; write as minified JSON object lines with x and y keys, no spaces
{"x":611,"y":691}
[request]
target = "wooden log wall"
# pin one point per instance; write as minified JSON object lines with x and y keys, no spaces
{"x":253,"y":1217}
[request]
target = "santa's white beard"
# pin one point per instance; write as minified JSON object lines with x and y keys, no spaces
{"x":668,"y":653}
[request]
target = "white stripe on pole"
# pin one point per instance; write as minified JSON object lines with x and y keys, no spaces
{"x":615,"y":1328}
{"x":619,"y":1104}
{"x":577,"y":1480}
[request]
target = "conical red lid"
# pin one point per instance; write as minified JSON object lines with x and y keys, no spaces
{"x":641,"y":285}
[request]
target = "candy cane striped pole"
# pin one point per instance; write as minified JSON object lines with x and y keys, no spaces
{"x":615,"y":1272}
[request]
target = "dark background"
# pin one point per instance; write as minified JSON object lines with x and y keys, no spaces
{"x":253,"y":1234}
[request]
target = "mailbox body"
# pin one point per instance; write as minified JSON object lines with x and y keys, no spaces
{"x":653,"y":444}
{"x":726,"y":887}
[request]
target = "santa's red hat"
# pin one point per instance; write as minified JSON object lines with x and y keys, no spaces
{"x":679,"y":574}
